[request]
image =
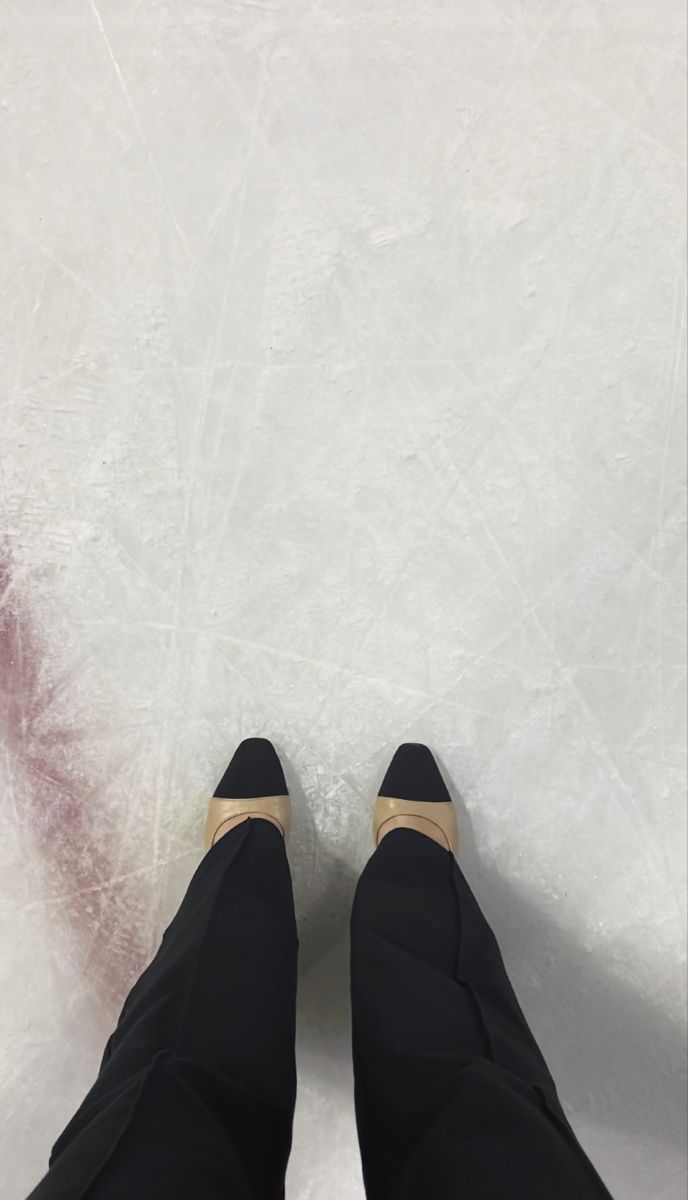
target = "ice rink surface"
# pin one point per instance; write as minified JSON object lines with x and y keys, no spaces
{"x":342,"y":402}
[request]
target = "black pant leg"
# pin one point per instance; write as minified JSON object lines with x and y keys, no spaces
{"x":453,"y":1097}
{"x":196,"y":1091}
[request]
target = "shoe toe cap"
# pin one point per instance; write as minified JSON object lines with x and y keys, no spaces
{"x":413,"y":774}
{"x":255,"y":770}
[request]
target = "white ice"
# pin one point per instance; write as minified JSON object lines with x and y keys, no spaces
{"x":343,"y":403}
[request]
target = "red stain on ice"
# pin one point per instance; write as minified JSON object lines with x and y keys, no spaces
{"x":58,"y":812}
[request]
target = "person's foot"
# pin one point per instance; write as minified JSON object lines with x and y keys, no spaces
{"x":252,"y":787}
{"x":413,"y":795}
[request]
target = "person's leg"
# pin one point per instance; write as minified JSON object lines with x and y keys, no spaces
{"x":453,"y":1096}
{"x":196,"y":1091}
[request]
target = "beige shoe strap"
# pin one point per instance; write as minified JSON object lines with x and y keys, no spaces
{"x":443,"y":815}
{"x":220,"y":811}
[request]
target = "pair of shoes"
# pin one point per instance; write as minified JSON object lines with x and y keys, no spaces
{"x":413,"y":795}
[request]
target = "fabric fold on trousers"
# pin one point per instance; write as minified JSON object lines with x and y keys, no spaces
{"x":197,"y":1086}
{"x":453,"y":1096}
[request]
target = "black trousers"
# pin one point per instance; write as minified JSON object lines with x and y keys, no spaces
{"x":196,"y":1092}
